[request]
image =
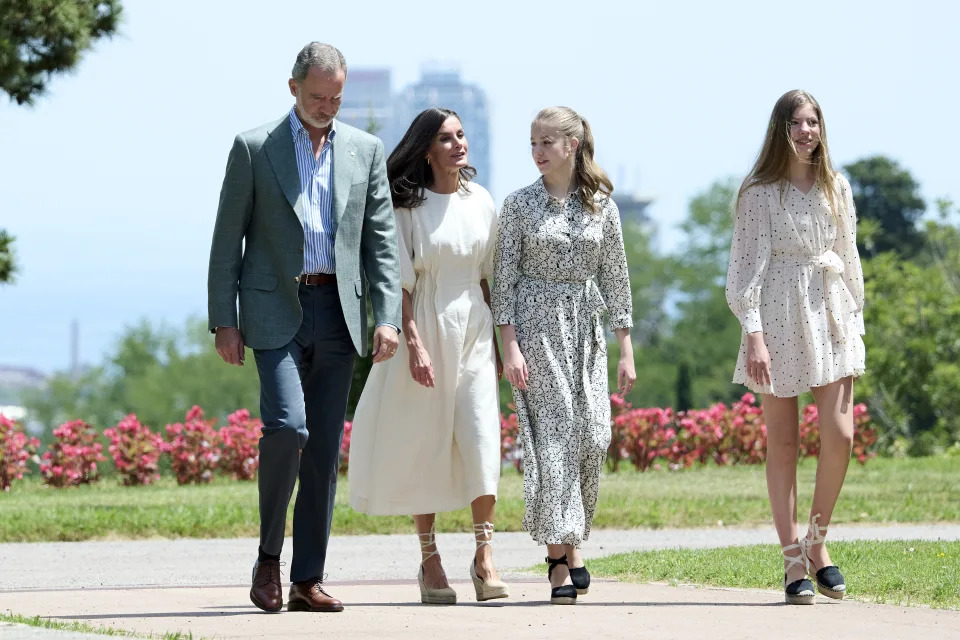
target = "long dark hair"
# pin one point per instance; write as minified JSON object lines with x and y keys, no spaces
{"x":407,"y":168}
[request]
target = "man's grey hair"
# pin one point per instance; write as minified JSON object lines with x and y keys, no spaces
{"x":325,"y":57}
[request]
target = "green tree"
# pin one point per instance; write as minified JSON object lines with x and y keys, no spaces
{"x":7,"y":263}
{"x":684,"y":399}
{"x":704,"y":333}
{"x":40,"y":38}
{"x":686,"y":339}
{"x":153,"y":371}
{"x":888,"y":206}
{"x":650,"y":282}
{"x":912,"y":384}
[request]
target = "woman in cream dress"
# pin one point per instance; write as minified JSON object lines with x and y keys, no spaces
{"x":426,"y":432}
{"x":795,"y":283}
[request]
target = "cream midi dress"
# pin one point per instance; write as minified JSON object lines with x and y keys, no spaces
{"x":415,"y":449}
{"x":795,"y":275}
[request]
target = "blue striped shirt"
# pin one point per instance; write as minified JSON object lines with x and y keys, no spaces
{"x":316,"y":194}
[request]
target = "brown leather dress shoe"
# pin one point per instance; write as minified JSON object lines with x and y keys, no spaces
{"x":310,"y":596}
{"x":266,"y":592}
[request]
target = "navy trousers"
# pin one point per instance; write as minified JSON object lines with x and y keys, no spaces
{"x":304,"y":387}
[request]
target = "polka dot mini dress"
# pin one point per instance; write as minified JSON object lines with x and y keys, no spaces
{"x":795,"y":275}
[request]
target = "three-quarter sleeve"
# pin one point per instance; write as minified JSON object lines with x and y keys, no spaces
{"x":408,"y":277}
{"x":846,"y":248}
{"x":506,"y":267}
{"x":486,"y":266}
{"x":613,"y":275}
{"x":749,"y":256}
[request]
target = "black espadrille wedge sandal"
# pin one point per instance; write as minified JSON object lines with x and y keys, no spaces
{"x":565,"y":594}
{"x":798,"y":591}
{"x":830,"y":581}
{"x":580,"y":578}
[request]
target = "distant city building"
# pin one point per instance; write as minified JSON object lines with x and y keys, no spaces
{"x":442,"y":87}
{"x":13,"y":382}
{"x":13,"y":412}
{"x":368,"y":102}
{"x":633,"y":208}
{"x":21,"y":378}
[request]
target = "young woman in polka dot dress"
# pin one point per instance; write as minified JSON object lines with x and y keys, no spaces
{"x":796,"y":285}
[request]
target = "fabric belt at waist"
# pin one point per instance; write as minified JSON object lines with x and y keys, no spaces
{"x":828,"y":260}
{"x":839,"y":301}
{"x":592,"y":298}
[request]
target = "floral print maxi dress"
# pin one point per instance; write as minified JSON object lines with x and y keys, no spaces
{"x":558,"y":267}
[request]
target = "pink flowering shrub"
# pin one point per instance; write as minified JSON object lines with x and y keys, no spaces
{"x":511,"y":450}
{"x":809,"y":432}
{"x":240,"y":445}
{"x":73,"y":456}
{"x":647,"y":438}
{"x":194,"y":448}
{"x":744,"y":434}
{"x":345,"y":448}
{"x":16,"y":448}
{"x":863,"y":436}
{"x":135,"y":450}
{"x":650,"y":438}
{"x":726,"y":435}
{"x":641,"y":436}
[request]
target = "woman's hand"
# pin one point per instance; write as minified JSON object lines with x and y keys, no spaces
{"x":758,"y":359}
{"x":626,"y":370}
{"x":626,"y":374}
{"x":515,"y":366}
{"x":421,"y":368}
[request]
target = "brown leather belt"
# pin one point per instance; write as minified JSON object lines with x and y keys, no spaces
{"x":319,"y":279}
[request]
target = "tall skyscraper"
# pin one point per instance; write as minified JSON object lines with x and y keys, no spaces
{"x":442,"y":87}
{"x":368,"y":102}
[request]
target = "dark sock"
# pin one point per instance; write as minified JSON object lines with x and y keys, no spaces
{"x":263,"y":555}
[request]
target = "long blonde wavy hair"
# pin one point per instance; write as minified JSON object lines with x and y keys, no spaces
{"x":590,"y":177}
{"x":773,"y":161}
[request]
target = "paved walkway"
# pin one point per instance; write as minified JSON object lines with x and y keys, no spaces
{"x":200,"y":587}
{"x":378,"y":610}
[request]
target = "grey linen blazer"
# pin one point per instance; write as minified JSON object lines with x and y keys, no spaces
{"x":257,"y":249}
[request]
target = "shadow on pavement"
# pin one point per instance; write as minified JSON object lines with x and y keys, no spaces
{"x":251,"y":611}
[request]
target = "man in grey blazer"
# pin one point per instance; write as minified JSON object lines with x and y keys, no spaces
{"x":305,"y":226}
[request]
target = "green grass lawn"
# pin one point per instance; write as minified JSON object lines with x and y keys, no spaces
{"x":898,"y":572}
{"x":81,"y":627}
{"x":910,"y":490}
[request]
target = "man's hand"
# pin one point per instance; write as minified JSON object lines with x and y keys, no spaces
{"x":385,"y":340}
{"x":229,"y":344}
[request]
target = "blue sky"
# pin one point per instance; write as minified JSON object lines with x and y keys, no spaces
{"x":110,"y":182}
